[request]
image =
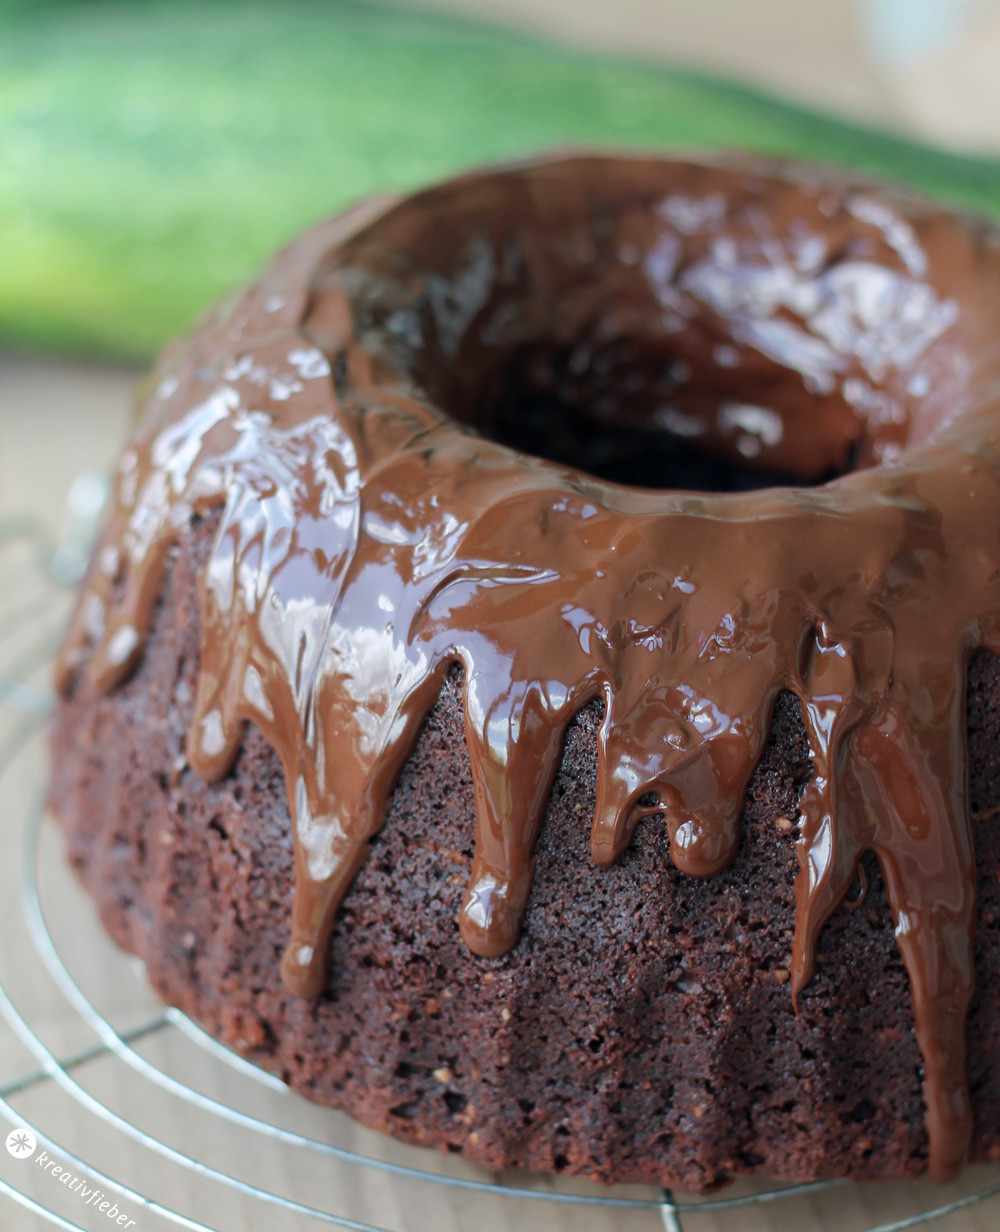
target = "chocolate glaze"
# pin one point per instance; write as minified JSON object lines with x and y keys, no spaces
{"x":370,"y":536}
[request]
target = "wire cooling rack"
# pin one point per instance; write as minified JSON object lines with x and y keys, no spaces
{"x":123,"y":1113}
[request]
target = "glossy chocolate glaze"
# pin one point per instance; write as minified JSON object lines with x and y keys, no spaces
{"x":371,"y":537}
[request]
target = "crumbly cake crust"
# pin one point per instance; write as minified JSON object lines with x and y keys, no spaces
{"x":672,"y":1054}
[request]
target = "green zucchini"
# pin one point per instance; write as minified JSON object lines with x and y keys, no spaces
{"x":153,"y":154}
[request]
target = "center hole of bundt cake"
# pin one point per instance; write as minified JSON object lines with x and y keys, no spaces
{"x":654,"y":324}
{"x":585,"y":411}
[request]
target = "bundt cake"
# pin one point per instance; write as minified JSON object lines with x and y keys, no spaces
{"x":536,"y":690}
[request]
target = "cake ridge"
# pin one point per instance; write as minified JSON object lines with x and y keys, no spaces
{"x":367,"y":543}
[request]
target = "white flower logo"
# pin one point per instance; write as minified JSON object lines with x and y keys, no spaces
{"x":21,"y":1143}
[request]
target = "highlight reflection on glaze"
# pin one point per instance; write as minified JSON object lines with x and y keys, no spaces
{"x":367,"y":541}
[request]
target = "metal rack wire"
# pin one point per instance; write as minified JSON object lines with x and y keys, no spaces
{"x":159,"y":1057}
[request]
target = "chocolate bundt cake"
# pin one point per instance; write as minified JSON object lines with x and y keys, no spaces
{"x":536,"y":690}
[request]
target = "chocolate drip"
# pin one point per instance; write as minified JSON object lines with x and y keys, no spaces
{"x":368,"y":540}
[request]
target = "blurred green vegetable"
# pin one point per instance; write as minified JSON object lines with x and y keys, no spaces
{"x":152,"y":154}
